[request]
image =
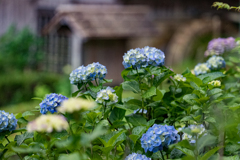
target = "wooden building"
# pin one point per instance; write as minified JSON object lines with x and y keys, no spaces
{"x":100,"y":33}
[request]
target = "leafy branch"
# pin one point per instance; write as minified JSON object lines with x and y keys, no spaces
{"x":221,"y":5}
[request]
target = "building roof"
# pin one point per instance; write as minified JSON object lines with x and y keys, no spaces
{"x":103,"y":21}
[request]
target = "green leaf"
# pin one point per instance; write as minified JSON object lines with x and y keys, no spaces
{"x":205,"y":140}
{"x":236,"y":157}
{"x":37,"y":98}
{"x":87,"y":138}
{"x":186,"y":151}
{"x":28,"y":150}
{"x":212,"y":76}
{"x":210,"y":120}
{"x":139,"y":130}
{"x":214,"y":91}
{"x":75,"y":93}
{"x":134,"y":138}
{"x":95,"y":88}
{"x":191,"y":78}
{"x":91,"y":117}
{"x":18,"y":115}
{"x":125,"y":72}
{"x":234,"y":106}
{"x":149,"y":93}
{"x":118,"y":91}
{"x":22,"y":121}
{"x":117,"y":114}
{"x":151,"y":122}
{"x":21,"y":138}
{"x":161,"y":77}
{"x":210,"y":153}
{"x":189,"y":98}
{"x":71,"y":156}
{"x":131,"y":86}
{"x":136,"y":120}
{"x":114,"y":138}
{"x":107,"y":81}
{"x":187,"y":118}
{"x":27,"y":113}
{"x":194,"y":85}
{"x":19,"y":130}
{"x":159,"y":96}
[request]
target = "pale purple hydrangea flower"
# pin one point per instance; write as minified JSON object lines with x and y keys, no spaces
{"x":220,"y":45}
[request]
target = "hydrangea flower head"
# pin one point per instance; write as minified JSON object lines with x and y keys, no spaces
{"x":51,"y":102}
{"x":48,"y":123}
{"x":216,"y":63}
{"x":107,"y":95}
{"x":179,"y":77}
{"x":159,"y":136}
{"x":215,"y":83}
{"x":76,"y":104}
{"x":201,"y":68}
{"x":220,"y":45}
{"x":197,"y":130}
{"x":136,"y":156}
{"x":89,"y":73}
{"x":8,"y":122}
{"x":142,"y":57}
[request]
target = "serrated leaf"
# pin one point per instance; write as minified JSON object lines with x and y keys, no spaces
{"x":187,"y":118}
{"x":21,"y":138}
{"x":159,"y":95}
{"x":114,"y":138}
{"x":28,"y":113}
{"x":149,"y":93}
{"x":210,"y":120}
{"x":118,"y":91}
{"x":139,"y":130}
{"x":210,"y":153}
{"x":205,"y":140}
{"x":117,"y":114}
{"x":136,"y":120}
{"x":186,"y":151}
{"x":131,"y":86}
{"x":212,"y":76}
{"x":71,"y":156}
{"x":134,"y":138}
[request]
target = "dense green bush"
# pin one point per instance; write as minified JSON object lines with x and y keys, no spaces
{"x":19,"y":87}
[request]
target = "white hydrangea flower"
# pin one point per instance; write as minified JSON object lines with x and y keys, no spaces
{"x":179,"y":77}
{"x":76,"y":104}
{"x":48,"y":123}
{"x":107,"y":95}
{"x":215,"y":83}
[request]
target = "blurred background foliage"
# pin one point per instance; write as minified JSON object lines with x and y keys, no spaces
{"x":21,"y":77}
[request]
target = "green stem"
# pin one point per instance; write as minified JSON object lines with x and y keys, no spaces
{"x":16,"y":152}
{"x":96,"y":81}
{"x":162,"y":155}
{"x":141,"y":91}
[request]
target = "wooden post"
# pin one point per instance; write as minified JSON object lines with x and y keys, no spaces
{"x":76,"y":53}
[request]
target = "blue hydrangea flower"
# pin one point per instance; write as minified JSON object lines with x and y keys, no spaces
{"x":159,"y":136}
{"x":140,"y":111}
{"x":107,"y":95}
{"x":220,"y":45}
{"x":201,"y":68}
{"x":196,"y":130}
{"x":136,"y":156}
{"x":51,"y":102}
{"x":8,"y":122}
{"x":89,"y":73}
{"x":142,"y":57}
{"x":216,"y":62}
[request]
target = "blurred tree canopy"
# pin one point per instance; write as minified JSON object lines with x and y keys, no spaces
{"x":19,"y":50}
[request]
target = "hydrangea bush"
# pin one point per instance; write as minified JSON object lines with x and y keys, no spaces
{"x":192,"y":115}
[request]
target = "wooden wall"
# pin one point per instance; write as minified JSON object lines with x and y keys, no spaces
{"x":108,"y":53}
{"x":21,"y":13}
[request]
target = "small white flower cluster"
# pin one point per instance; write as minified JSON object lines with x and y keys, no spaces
{"x":48,"y":123}
{"x":107,"y":95}
{"x":76,"y":104}
{"x":215,"y":83}
{"x":179,"y":77}
{"x":201,"y":68}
